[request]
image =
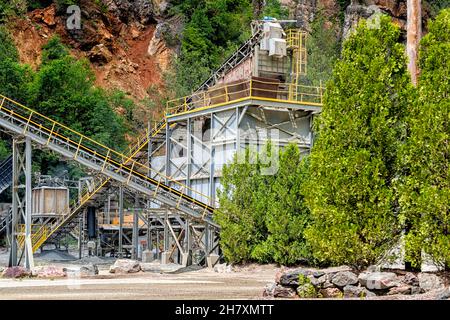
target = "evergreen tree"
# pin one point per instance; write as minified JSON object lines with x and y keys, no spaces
{"x":243,"y":203}
{"x":425,"y":185}
{"x":353,"y":161}
{"x":287,"y":215}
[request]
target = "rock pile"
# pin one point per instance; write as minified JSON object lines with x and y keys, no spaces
{"x":125,"y":266}
{"x":15,"y":272}
{"x":343,"y":282}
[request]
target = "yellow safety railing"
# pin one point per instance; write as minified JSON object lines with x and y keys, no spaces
{"x":247,"y":89}
{"x":55,"y":130}
{"x":86,"y":144}
{"x":296,"y":38}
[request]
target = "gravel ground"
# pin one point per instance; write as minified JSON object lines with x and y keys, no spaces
{"x":244,"y":282}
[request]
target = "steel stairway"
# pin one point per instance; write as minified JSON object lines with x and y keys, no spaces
{"x":47,"y":133}
{"x":6,"y":173}
{"x":137,"y":153}
{"x":5,"y":221}
{"x":236,"y":58}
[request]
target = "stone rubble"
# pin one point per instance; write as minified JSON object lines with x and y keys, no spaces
{"x":125,"y":266}
{"x":343,"y":282}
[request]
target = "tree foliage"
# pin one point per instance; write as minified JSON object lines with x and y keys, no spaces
{"x":242,"y":207}
{"x":212,"y":31}
{"x":286,"y":215}
{"x":262,"y":216}
{"x":425,"y":186}
{"x":323,"y":47}
{"x":353,"y":161}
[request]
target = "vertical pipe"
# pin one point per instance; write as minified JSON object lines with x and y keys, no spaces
{"x":149,"y":234}
{"x":136,"y":230}
{"x":120,"y":221}
{"x":189,"y":156}
{"x":414,"y":34}
{"x":167,"y":152}
{"x":211,"y":162}
{"x":80,"y":237}
{"x":15,"y":204}
{"x":158,"y":252}
{"x":207,"y":240}
{"x":29,"y":262}
{"x":166,"y":231}
{"x":238,"y":138}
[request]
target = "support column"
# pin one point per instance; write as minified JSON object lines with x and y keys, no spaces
{"x":165,"y":254}
{"x":80,"y":237}
{"x":167,"y":152}
{"x":120,"y":221}
{"x":21,"y":204}
{"x":211,"y":163}
{"x":135,"y":230}
{"x":189,"y":156}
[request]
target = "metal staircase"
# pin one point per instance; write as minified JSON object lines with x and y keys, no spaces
{"x":52,"y":135}
{"x":6,"y":173}
{"x":115,"y":166}
{"x":236,"y":58}
{"x":5,"y":221}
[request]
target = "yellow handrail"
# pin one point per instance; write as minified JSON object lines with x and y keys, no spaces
{"x":97,"y":144}
{"x":287,"y":92}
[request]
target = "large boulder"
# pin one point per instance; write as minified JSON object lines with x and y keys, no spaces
{"x":125,"y":266}
{"x":331,"y":293}
{"x":291,"y":278}
{"x":402,"y":289}
{"x":344,"y":278}
{"x":269,"y":289}
{"x":410,"y":279}
{"x":88,"y":270}
{"x":378,"y":280}
{"x":16,"y":272}
{"x":48,"y":272}
{"x":283,"y":292}
{"x":357,"y":292}
{"x":429,"y":281}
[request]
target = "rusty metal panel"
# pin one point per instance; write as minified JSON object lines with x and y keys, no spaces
{"x":50,"y":201}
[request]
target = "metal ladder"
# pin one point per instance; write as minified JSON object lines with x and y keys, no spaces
{"x":52,"y":135}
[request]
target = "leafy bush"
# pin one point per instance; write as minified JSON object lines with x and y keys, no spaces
{"x":213,"y":30}
{"x":12,"y":8}
{"x":323,"y":48}
{"x":425,"y":185}
{"x":353,"y":161}
{"x":263,"y":217}
{"x":287,"y":216}
{"x":243,"y":204}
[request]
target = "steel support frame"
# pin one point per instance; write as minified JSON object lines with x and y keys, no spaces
{"x":21,"y":202}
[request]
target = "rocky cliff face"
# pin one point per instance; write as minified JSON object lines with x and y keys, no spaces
{"x":306,"y":10}
{"x":131,"y":42}
{"x":123,"y":40}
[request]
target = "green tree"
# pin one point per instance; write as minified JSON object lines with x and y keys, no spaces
{"x":323,"y":47}
{"x":243,"y":206}
{"x":353,"y":161}
{"x":213,"y":30}
{"x":425,"y":185}
{"x":64,"y":88}
{"x":274,"y":9}
{"x":14,"y":77}
{"x":287,"y":215}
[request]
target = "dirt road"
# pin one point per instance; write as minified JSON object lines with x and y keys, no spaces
{"x":202,"y":284}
